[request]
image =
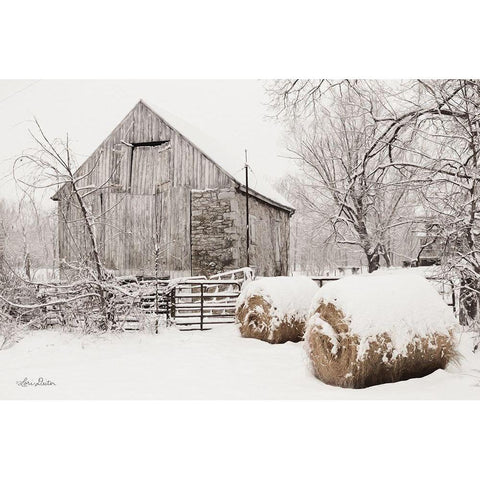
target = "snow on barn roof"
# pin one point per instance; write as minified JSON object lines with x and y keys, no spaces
{"x":231,"y":163}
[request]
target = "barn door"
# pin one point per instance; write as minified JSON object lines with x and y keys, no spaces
{"x":148,"y":183}
{"x":150,"y":167}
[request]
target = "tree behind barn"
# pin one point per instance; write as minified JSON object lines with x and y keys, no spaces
{"x":339,"y":135}
{"x":373,"y":151}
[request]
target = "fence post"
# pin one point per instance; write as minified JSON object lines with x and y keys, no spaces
{"x":156,"y":306}
{"x":172,"y":310}
{"x":452,"y":286}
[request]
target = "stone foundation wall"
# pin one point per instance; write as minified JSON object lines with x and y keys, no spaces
{"x":214,"y":236}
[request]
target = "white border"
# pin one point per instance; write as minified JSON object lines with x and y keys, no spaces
{"x":249,"y":39}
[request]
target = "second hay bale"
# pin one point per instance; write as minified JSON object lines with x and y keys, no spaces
{"x":275,"y":309}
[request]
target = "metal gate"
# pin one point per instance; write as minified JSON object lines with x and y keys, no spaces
{"x":192,"y":303}
{"x":198,"y":303}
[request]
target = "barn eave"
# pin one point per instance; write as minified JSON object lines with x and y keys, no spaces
{"x":57,"y":195}
{"x":263,"y":198}
{"x":239,"y":185}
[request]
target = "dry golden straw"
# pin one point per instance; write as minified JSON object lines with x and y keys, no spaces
{"x":333,"y":350}
{"x":256,"y":318}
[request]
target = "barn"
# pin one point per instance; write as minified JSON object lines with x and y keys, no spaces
{"x":163,"y":201}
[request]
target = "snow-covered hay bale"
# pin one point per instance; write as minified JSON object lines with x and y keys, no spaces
{"x":367,"y":330}
{"x":275,"y":309}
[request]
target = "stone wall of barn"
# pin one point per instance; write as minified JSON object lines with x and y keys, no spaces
{"x":213,"y":231}
{"x":218,"y":233}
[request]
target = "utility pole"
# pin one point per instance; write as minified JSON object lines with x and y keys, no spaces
{"x":157,"y":250}
{"x":247,"y":211}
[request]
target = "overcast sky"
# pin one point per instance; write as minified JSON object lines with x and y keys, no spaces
{"x":230,"y":111}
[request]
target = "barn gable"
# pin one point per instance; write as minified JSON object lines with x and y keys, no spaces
{"x":194,"y":167}
{"x":112,"y":163}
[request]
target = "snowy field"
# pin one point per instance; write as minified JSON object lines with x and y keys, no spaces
{"x":214,"y":364}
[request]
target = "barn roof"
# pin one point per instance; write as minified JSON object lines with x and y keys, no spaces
{"x":231,"y":164}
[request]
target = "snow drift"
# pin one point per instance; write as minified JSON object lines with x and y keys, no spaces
{"x":370,"y":329}
{"x":275,"y":309}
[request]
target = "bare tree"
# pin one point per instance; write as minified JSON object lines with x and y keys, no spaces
{"x":52,"y":165}
{"x":446,"y":150}
{"x":368,"y":149}
{"x":89,"y":292}
{"x":343,"y":136}
{"x":314,"y":250}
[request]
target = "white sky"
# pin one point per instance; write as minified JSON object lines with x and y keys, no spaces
{"x":232,"y":111}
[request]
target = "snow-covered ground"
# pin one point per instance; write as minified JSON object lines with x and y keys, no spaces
{"x":214,"y":364}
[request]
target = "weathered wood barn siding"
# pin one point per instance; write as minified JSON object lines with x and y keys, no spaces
{"x":139,"y":191}
{"x":191,"y":167}
{"x":269,"y":237}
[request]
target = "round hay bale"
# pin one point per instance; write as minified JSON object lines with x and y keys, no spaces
{"x":368,"y":330}
{"x":275,"y":309}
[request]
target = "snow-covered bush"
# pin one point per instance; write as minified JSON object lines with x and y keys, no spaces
{"x":10,"y":331}
{"x":369,"y":329}
{"x":275,"y":309}
{"x":14,"y":320}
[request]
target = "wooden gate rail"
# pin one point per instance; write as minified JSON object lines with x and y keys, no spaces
{"x":204,"y":300}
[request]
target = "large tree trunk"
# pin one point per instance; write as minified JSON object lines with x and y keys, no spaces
{"x":373,"y":259}
{"x":469,"y":302}
{"x":108,"y":317}
{"x":387,"y":254}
